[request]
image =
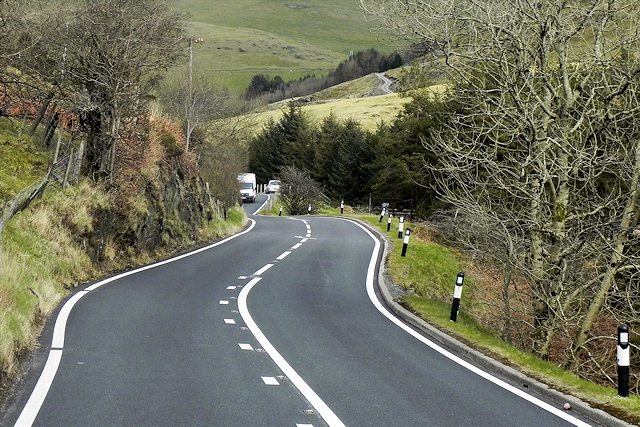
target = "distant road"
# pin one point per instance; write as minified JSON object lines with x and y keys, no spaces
{"x":280,"y":325}
{"x":386,"y":83}
{"x":253,"y":208}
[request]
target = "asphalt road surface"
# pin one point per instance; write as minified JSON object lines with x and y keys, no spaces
{"x":280,"y":325}
{"x":386,"y":83}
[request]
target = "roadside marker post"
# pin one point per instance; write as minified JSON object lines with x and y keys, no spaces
{"x":382,"y":214}
{"x":400,"y":227}
{"x":341,"y":207}
{"x":309,"y":209}
{"x":405,"y":242}
{"x":389,"y":222}
{"x":280,"y":213}
{"x":457,"y":294}
{"x":623,"y":360}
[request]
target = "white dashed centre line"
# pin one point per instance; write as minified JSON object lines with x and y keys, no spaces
{"x":229,"y":321}
{"x":224,"y":302}
{"x":245,"y":346}
{"x":283,"y":256}
{"x":270,"y":381}
{"x":231,"y":288}
{"x":296,"y":246}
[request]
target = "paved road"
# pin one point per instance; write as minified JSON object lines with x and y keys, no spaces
{"x":279,"y":326}
{"x":386,"y":83}
{"x":260,"y":203}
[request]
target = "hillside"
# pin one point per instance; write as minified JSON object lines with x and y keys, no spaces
{"x":360,"y":99}
{"x":292,"y":40}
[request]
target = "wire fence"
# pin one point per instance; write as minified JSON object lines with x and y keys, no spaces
{"x":66,"y":169}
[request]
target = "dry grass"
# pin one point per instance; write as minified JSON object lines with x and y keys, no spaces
{"x":41,"y":259}
{"x":369,"y":111}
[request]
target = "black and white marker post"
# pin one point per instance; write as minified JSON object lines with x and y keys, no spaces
{"x":382,"y":214}
{"x":280,"y":213}
{"x":405,"y":242}
{"x":389,"y":222}
{"x":309,"y":209}
{"x":457,"y":294}
{"x":400,"y":227}
{"x":341,"y":207}
{"x":623,"y":361}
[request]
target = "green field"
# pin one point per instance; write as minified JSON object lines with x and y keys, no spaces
{"x":247,"y":37}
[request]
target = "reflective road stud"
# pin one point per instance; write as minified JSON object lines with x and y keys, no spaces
{"x":457,"y":294}
{"x":623,"y":361}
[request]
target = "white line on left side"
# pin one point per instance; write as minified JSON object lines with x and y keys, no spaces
{"x":323,"y":410}
{"x":40,"y":391}
{"x":263,"y":269}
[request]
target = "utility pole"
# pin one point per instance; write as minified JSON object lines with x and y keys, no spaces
{"x":189,"y":103}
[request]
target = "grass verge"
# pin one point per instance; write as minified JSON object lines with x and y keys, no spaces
{"x":430,"y":270}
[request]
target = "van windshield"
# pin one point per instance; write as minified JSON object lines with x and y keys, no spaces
{"x":247,"y":185}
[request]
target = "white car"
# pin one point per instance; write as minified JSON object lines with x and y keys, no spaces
{"x":272,"y":187}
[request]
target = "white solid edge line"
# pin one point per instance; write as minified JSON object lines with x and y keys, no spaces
{"x":376,"y":302}
{"x":40,"y":391}
{"x":323,"y":410}
{"x":263,"y":269}
{"x":261,"y":206}
{"x":31,"y":409}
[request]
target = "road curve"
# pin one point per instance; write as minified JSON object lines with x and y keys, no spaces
{"x":278,"y":326}
{"x":386,"y":83}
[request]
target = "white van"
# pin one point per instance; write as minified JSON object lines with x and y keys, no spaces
{"x":248,"y":187}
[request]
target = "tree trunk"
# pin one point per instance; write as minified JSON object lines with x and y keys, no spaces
{"x":614,"y":262}
{"x":52,"y":124}
{"x":41,"y":113}
{"x":507,"y":307}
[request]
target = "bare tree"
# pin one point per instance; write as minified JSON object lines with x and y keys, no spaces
{"x":223,"y":155}
{"x":298,"y":191}
{"x":25,"y":65}
{"x":116,"y":51}
{"x":543,"y":140}
{"x":195,"y":100}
